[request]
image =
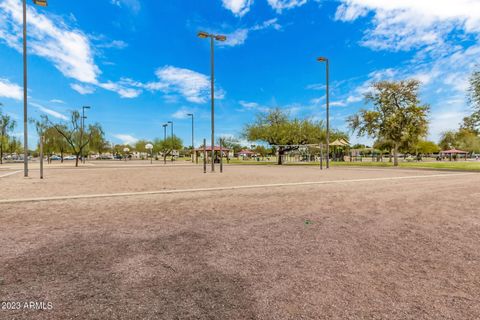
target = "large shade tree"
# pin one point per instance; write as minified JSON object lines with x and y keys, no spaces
{"x":276,"y":128}
{"x":76,"y":138}
{"x":7,"y":125}
{"x":166,"y":146}
{"x":472,"y":122}
{"x":397,"y":114}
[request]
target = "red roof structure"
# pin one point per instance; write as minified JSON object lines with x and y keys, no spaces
{"x":454,"y":151}
{"x":215,"y":148}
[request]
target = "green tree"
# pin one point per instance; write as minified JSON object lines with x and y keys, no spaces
{"x":14,"y":146}
{"x":397,"y":115}
{"x":426,"y":147}
{"x":277,"y":129}
{"x":140,"y":146}
{"x":7,"y":125}
{"x":472,"y":122}
{"x":231,"y":143}
{"x":98,"y":143}
{"x":72,"y":132}
{"x":166,"y":147}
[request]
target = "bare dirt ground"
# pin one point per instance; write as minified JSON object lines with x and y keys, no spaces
{"x":361,"y":244}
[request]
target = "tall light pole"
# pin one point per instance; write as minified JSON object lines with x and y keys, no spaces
{"x":82,"y":129}
{"x":171,"y":122}
{"x":193,"y":135}
{"x":327,"y":64}
{"x":213,"y":37}
{"x":165,"y":141}
{"x":42,"y":3}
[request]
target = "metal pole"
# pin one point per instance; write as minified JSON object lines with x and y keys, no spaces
{"x":204,"y":155}
{"x":212,"y":84}
{"x":25,"y":116}
{"x":221,"y":156}
{"x":328,"y":114}
{"x":81,"y":132}
{"x":193,"y":140}
{"x":165,"y":141}
{"x":172,"y":141}
{"x":42,"y":138}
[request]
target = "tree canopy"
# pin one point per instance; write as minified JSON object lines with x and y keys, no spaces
{"x":397,"y":115}
{"x":276,"y":128}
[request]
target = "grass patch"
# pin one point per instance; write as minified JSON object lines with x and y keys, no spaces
{"x":446,"y":165}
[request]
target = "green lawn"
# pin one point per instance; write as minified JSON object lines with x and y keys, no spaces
{"x":454,"y":165}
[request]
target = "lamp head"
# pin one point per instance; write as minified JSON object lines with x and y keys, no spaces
{"x":190,"y":114}
{"x":322,"y":59}
{"x":42,"y":3}
{"x":203,"y":35}
{"x":170,"y":122}
{"x":220,"y":38}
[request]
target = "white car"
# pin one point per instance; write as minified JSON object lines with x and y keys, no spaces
{"x":70,"y":158}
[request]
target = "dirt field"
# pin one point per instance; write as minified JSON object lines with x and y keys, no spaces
{"x":290,"y":243}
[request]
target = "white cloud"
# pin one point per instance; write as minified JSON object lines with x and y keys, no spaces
{"x":239,"y":36}
{"x":82,"y":89}
{"x":238,"y":7}
{"x":192,"y":85}
{"x":48,"y":111}
{"x":126,"y":138}
{"x":121,"y":89}
{"x":57,"y":101}
{"x":182,"y":113}
{"x":10,"y":90}
{"x":68,"y":49}
{"x":280,"y":5}
{"x":409,"y":24}
{"x":133,"y":5}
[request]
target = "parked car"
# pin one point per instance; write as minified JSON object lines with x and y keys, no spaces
{"x":55,"y":158}
{"x":70,"y":158}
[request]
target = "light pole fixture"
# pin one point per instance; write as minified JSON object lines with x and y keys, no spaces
{"x":82,"y":124}
{"x":171,"y":122}
{"x":42,"y":3}
{"x":213,"y":37}
{"x":193,"y":135}
{"x":165,"y":141}
{"x":327,"y":64}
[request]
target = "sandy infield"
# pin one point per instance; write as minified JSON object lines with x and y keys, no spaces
{"x":366,"y":244}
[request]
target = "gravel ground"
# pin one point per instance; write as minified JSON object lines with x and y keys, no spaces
{"x":360,"y":249}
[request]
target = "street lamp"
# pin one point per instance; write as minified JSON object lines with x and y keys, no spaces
{"x":327,"y":64}
{"x":165,"y":141}
{"x":42,"y":3}
{"x":213,"y":37}
{"x":171,"y":122}
{"x":193,"y":136}
{"x":82,"y":129}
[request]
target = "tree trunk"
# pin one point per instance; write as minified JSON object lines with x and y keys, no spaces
{"x":1,"y":154}
{"x":76,"y":159}
{"x":395,"y":155}
{"x":280,"y":157}
{"x":61,"y":156}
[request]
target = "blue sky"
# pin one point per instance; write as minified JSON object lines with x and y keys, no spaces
{"x":140,"y":64}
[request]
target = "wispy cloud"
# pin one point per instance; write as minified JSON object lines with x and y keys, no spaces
{"x":239,"y":36}
{"x":133,"y":5}
{"x":57,"y":101}
{"x":82,"y":89}
{"x":182,"y":113}
{"x":48,"y":111}
{"x":238,"y":7}
{"x":10,"y":90}
{"x":280,"y":5}
{"x":126,"y":138}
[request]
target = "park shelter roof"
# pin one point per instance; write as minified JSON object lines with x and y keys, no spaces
{"x":454,"y":151}
{"x":340,"y":143}
{"x":215,"y":148}
{"x":246,"y":152}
